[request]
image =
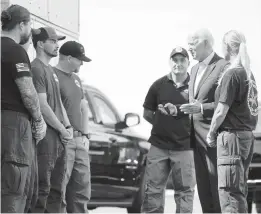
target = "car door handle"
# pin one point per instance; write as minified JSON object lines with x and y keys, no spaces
{"x":92,"y":152}
{"x":113,"y":139}
{"x":131,"y":167}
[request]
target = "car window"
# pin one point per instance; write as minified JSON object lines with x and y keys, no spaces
{"x":90,"y":114}
{"x":105,"y":112}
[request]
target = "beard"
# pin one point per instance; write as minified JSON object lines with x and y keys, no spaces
{"x":227,"y":57}
{"x":77,"y":70}
{"x":54,"y":54}
{"x":24,"y":38}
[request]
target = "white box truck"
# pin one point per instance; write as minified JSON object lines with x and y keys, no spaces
{"x":63,"y":15}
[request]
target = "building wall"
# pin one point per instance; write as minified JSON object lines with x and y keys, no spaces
{"x":63,"y":15}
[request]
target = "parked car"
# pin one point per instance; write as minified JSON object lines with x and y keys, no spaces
{"x":118,"y":156}
{"x":254,"y":178}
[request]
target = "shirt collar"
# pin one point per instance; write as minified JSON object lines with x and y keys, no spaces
{"x":63,"y":72}
{"x":208,"y":59}
{"x":185,"y":83}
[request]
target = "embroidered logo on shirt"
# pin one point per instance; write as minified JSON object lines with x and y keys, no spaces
{"x":22,"y":67}
{"x":252,"y":99}
{"x":186,"y":91}
{"x":56,"y":78}
{"x":77,"y":83}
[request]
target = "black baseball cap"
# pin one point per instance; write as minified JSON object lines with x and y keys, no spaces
{"x":179,"y":50}
{"x":74,"y":49}
{"x":13,"y":15}
{"x":44,"y":33}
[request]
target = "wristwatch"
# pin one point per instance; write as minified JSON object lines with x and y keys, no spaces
{"x":88,"y":136}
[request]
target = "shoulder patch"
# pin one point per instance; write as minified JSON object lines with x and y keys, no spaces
{"x":252,"y":99}
{"x":22,"y":67}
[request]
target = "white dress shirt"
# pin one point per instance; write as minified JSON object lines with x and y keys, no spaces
{"x":201,"y":70}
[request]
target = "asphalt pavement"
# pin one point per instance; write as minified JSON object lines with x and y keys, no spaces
{"x":170,"y":206}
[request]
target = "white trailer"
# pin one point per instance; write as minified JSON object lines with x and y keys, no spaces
{"x":63,"y":15}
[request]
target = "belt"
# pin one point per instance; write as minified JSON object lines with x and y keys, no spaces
{"x":231,"y":130}
{"x":80,"y":134}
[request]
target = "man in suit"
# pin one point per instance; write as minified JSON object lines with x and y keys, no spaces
{"x":202,"y":86}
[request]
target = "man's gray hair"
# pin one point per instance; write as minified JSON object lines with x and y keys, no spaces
{"x":204,"y":34}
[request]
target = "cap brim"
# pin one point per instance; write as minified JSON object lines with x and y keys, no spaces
{"x":61,"y":37}
{"x":35,"y":31}
{"x":180,"y":54}
{"x":84,"y":58}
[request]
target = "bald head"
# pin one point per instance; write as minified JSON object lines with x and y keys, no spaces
{"x":203,"y":34}
{"x":200,"y":44}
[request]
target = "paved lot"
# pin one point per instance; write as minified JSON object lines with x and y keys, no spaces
{"x":169,"y":206}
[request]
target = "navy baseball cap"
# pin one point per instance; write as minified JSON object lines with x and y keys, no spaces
{"x":44,"y":33}
{"x":74,"y":49}
{"x":179,"y":50}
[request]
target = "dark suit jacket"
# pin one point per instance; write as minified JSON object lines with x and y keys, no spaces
{"x":205,"y":94}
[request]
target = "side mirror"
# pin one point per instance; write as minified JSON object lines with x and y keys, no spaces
{"x":131,"y":119}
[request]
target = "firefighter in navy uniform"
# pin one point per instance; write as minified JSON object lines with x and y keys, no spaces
{"x":235,"y":118}
{"x":170,"y":139}
{"x":78,"y":190}
{"x":21,"y":118}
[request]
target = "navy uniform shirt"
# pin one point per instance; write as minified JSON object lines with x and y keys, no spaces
{"x":46,"y":81}
{"x":71,"y":94}
{"x":14,"y":64}
{"x":169,"y":132}
{"x":241,"y":97}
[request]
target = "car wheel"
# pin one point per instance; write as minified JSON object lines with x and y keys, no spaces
{"x":250,"y":201}
{"x":257,"y":200}
{"x":137,"y":202}
{"x":91,"y":208}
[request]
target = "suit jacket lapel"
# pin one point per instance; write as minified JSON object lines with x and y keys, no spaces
{"x":210,"y":68}
{"x":192,"y":79}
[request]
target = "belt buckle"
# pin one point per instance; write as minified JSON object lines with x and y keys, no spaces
{"x":77,"y":133}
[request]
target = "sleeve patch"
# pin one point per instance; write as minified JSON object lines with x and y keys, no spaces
{"x":22,"y":67}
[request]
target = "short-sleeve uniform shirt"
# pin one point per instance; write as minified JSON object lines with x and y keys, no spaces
{"x":71,"y":94}
{"x":46,"y":81}
{"x":15,"y":63}
{"x":168,"y":132}
{"x":241,"y":97}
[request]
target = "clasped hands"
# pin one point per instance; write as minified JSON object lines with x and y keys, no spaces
{"x":168,"y":109}
{"x":189,"y":108}
{"x":66,"y":135}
